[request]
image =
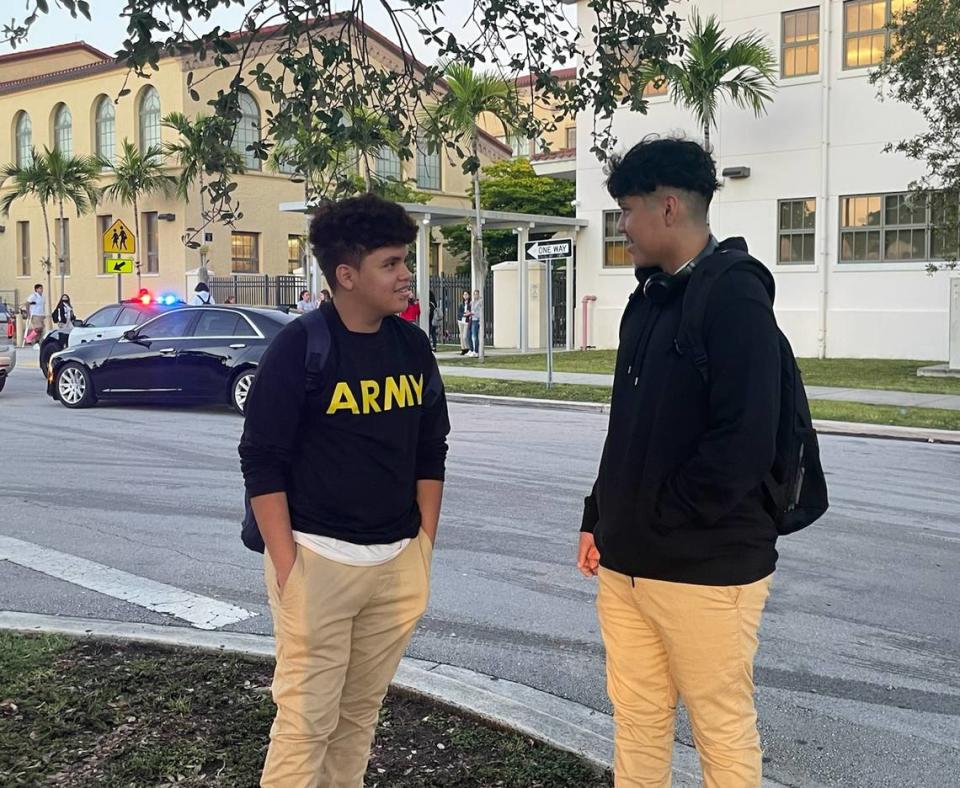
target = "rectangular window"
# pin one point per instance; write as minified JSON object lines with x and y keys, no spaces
{"x":428,"y":166}
{"x":865,"y":33}
{"x":64,"y":252}
{"x":296,"y":252}
{"x":518,"y":143}
{"x":800,"y":49}
{"x":891,"y":228}
{"x":150,"y":254}
{"x":245,"y":253}
{"x":797,"y":231}
{"x":615,"y":253}
{"x":103,"y":224}
{"x":571,"y":137}
{"x":23,"y":248}
{"x":388,"y":165}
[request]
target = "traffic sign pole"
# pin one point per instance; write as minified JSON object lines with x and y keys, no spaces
{"x":549,"y":322}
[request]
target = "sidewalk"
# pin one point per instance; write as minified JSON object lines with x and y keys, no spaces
{"x":558,"y":722}
{"x":903,"y":399}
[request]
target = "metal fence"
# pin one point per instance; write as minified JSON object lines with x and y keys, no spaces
{"x":10,"y":298}
{"x":257,"y":289}
{"x":447,"y":290}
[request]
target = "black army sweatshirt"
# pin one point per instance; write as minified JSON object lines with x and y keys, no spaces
{"x":678,"y":496}
{"x":349,"y":443}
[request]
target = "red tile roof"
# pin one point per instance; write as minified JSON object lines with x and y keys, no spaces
{"x":555,"y":155}
{"x":27,"y":54}
{"x":563,"y":74}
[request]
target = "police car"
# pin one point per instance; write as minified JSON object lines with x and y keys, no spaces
{"x":108,"y":322}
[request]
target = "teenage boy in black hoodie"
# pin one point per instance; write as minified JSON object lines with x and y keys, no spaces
{"x":676,"y":525}
{"x":344,"y":468}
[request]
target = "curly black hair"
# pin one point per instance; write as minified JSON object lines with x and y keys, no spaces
{"x":344,"y":232}
{"x":663,"y":161}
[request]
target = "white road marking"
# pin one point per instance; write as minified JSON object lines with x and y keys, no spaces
{"x":203,"y":612}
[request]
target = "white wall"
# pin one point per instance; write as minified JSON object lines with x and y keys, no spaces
{"x":886,"y":310}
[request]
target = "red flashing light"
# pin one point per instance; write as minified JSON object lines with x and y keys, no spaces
{"x":145,"y":299}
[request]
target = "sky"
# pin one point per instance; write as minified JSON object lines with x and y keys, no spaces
{"x":107,"y":30}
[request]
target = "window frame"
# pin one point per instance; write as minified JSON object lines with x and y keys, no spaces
{"x":567,"y":132}
{"x":240,"y":235}
{"x":150,"y":222}
{"x":149,"y":120}
{"x":795,"y":45}
{"x":248,"y":131}
{"x":884,"y":30}
{"x":793,"y":231}
{"x":389,"y":156}
{"x":24,"y":262}
{"x":105,"y":130}
{"x":882,"y":229}
{"x":613,"y":239}
{"x":428,"y":164}
{"x":63,"y":129}
{"x":190,"y":315}
{"x":301,"y":241}
{"x":23,"y":153}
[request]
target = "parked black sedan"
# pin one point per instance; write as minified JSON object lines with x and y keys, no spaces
{"x":192,"y":354}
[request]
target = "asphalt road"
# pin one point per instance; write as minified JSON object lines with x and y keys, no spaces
{"x":859,"y":665}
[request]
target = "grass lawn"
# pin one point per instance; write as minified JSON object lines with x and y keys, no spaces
{"x":85,"y":712}
{"x":821,"y":409}
{"x":840,"y":372}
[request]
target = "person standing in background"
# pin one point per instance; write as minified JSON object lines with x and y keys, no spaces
{"x":63,"y":315}
{"x":463,"y":322}
{"x":306,"y":302}
{"x":476,"y":312}
{"x":36,"y":316}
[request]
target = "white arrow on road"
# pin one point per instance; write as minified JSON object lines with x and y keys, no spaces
{"x":203,"y":612}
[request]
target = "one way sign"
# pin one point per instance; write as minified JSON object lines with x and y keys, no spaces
{"x":547,"y":250}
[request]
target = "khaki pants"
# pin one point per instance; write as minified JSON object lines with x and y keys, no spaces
{"x":663,"y":639}
{"x":464,"y":327}
{"x":340,"y":633}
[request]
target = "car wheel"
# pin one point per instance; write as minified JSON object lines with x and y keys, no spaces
{"x":240,"y":390}
{"x":74,"y":386}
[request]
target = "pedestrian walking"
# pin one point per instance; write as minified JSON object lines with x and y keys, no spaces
{"x":343,"y":455}
{"x":306,"y":302}
{"x":682,"y":522}
{"x":476,"y":312}
{"x":464,"y":313}
{"x":201,"y":295}
{"x":36,"y":316}
{"x":63,"y":314}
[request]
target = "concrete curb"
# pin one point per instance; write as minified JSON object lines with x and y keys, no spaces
{"x":561,"y":723}
{"x":853,"y":429}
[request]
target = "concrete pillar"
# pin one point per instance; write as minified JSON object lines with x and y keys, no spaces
{"x":523,"y":286}
{"x":423,"y":272}
{"x":954,"y":323}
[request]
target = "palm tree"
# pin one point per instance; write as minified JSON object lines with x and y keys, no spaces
{"x":203,"y":149}
{"x":714,"y":67}
{"x":470,"y":95}
{"x":137,"y":175}
{"x":30,"y":180}
{"x":73,"y":179}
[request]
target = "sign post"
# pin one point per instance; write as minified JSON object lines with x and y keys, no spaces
{"x":119,"y":246}
{"x":548,"y":251}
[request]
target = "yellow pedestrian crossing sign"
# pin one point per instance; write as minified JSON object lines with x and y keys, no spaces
{"x":119,"y":239}
{"x":118,"y":265}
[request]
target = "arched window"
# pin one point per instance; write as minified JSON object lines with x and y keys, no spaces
{"x":149,"y":119}
{"x":106,"y":128}
{"x":248,"y":131}
{"x":63,"y":130}
{"x":24,"y":135}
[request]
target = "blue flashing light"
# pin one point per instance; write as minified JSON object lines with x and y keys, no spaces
{"x":168,"y":300}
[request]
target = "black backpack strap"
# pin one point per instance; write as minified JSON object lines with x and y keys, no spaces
{"x":690,"y":341}
{"x":318,"y":339}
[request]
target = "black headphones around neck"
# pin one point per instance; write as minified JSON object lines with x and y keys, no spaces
{"x":661,"y":288}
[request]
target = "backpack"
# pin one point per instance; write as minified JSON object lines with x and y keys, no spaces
{"x":315,"y":361}
{"x":795,"y":486}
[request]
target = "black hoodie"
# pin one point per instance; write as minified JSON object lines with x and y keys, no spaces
{"x":678,"y":495}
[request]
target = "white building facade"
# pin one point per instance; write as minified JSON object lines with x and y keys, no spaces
{"x":822,"y":204}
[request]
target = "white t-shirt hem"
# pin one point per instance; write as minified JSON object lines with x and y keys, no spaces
{"x":349,"y":553}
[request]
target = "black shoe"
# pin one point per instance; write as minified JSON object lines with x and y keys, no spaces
{"x":463,"y":352}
